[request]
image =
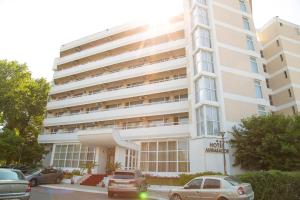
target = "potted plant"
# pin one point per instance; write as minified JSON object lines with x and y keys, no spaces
{"x":111,"y":167}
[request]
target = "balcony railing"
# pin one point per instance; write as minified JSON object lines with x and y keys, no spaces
{"x":120,"y":107}
{"x":124,"y":127}
{"x":119,"y":88}
{"x":118,"y":70}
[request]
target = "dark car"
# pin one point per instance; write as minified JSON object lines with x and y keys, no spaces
{"x":13,"y":185}
{"x":45,"y":176}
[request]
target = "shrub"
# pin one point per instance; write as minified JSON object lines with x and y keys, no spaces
{"x":76,"y":172}
{"x":275,"y":185}
{"x":176,"y":181}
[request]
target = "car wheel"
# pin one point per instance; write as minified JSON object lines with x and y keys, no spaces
{"x":33,"y":182}
{"x":110,"y":194}
{"x":57,"y":180}
{"x":176,"y":197}
{"x":222,"y":198}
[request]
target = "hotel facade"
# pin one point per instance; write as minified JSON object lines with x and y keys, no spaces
{"x":158,"y":97}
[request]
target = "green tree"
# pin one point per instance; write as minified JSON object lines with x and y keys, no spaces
{"x":267,"y":142}
{"x":22,"y":107}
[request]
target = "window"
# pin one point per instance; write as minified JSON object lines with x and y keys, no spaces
{"x":158,"y":122}
{"x":290,"y":93}
{"x":204,"y":2}
{"x":181,"y":97}
{"x":250,"y":44}
{"x":298,"y":31}
{"x":261,"y":54}
{"x":265,"y":68}
{"x":204,"y":61}
{"x":285,"y":74}
{"x":201,"y":38}
{"x":267,"y":82}
{"x":243,"y":6}
{"x":130,"y":159}
{"x":211,"y":184}
{"x":200,"y":16}
{"x":271,"y":100}
{"x":208,"y":120}
{"x":253,"y":63}
{"x":246,"y":23}
{"x":261,"y":110}
{"x":281,"y":57}
{"x":195,"y":184}
{"x":206,"y":89}
{"x":258,"y":89}
{"x":277,"y":42}
{"x":73,"y":155}
{"x":165,"y":156}
{"x":294,"y":110}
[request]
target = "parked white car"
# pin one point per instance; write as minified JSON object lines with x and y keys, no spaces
{"x":213,"y":188}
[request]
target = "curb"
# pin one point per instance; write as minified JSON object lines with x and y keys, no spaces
{"x":73,"y":189}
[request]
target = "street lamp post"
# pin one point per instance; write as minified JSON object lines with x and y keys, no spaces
{"x":223,"y":151}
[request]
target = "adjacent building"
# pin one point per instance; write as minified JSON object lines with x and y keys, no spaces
{"x":281,"y":50}
{"x":158,"y":98}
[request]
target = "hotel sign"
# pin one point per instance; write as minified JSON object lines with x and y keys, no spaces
{"x":216,"y":147}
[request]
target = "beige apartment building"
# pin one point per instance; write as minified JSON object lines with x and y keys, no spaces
{"x":158,"y":98}
{"x":281,"y":50}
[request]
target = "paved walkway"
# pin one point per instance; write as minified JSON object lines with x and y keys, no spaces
{"x":155,"y":191}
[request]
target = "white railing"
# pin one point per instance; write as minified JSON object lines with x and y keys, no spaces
{"x":118,"y":70}
{"x":119,"y":88}
{"x":123,"y":127}
{"x":120,"y":107}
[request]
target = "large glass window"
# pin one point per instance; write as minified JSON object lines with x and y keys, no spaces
{"x":246,"y":23}
{"x":204,"y":61}
{"x":201,"y":38}
{"x":250,"y":44}
{"x":73,"y":155}
{"x":200,"y":16}
{"x":165,"y":156}
{"x":243,"y":6}
{"x":261,"y":110}
{"x":254,"y":66}
{"x":208,"y":122}
{"x":258,"y":89}
{"x":206,"y":89}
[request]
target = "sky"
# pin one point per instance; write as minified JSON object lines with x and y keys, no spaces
{"x":32,"y":31}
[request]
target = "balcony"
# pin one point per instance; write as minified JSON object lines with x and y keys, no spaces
{"x":121,"y":93}
{"x":169,"y":46}
{"x":161,"y":108}
{"x":121,"y":42}
{"x":164,"y":65}
{"x":166,"y":130}
{"x":98,"y":135}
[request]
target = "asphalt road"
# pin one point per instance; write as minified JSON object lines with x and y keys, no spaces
{"x":42,"y":193}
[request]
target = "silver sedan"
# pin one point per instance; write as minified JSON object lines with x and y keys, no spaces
{"x":13,"y":185}
{"x":213,"y":188}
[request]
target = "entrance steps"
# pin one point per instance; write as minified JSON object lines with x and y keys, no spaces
{"x":93,"y":179}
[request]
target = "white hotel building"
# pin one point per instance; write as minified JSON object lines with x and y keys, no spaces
{"x":157,"y":98}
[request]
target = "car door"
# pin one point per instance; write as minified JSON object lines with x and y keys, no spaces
{"x":53,"y":174}
{"x":45,"y":176}
{"x":211,"y":189}
{"x":191,"y":189}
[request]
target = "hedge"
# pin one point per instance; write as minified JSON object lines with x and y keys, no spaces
{"x":273,"y":185}
{"x":176,"y":181}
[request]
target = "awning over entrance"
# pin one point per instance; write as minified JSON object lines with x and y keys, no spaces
{"x":108,"y":137}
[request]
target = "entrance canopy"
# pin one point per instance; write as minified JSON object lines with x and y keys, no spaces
{"x":108,"y":137}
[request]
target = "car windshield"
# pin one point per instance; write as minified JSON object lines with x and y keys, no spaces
{"x":123,"y":175}
{"x":233,"y":180}
{"x":11,"y":175}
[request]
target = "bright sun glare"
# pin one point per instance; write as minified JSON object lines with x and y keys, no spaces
{"x":158,"y":13}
